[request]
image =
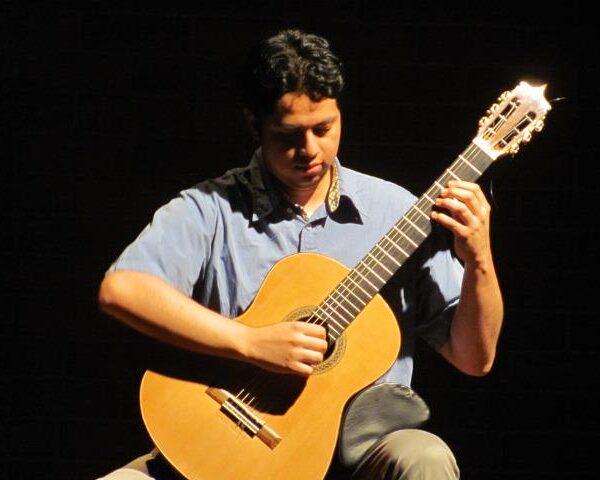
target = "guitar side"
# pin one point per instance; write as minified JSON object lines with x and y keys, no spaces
{"x":199,"y":439}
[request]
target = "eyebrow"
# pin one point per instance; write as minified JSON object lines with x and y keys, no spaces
{"x":294,"y":126}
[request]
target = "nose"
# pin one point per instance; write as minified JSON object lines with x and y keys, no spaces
{"x":309,"y":147}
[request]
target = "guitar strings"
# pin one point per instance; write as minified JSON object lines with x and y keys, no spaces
{"x":371,"y":260}
{"x":377,"y":256}
{"x":397,"y":236}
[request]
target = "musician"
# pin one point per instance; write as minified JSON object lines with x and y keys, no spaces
{"x":203,"y":257}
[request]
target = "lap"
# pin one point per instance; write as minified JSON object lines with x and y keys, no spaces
{"x":407,"y":454}
{"x":403,"y":454}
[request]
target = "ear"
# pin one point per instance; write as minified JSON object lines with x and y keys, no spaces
{"x":252,"y":124}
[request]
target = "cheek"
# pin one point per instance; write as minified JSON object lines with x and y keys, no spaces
{"x":330,"y":147}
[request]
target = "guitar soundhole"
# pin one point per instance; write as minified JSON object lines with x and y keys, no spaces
{"x":336,"y":349}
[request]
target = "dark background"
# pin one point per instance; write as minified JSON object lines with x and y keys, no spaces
{"x":109,"y":109}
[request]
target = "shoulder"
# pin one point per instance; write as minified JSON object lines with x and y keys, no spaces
{"x":370,"y":192}
{"x":219,"y":191}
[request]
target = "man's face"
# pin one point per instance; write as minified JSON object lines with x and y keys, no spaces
{"x":300,"y":140}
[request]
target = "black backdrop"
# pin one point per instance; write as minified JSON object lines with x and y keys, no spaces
{"x":108,"y":109}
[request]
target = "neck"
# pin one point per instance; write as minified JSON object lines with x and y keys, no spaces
{"x":311,"y":197}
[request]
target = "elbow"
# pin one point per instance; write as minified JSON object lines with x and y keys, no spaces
{"x":481,"y":371}
{"x":480,"y":368}
{"x":108,"y":294}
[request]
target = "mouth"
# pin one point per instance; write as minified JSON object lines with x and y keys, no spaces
{"x":310,"y":167}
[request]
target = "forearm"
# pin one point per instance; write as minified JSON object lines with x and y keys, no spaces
{"x":152,"y":306}
{"x":476,"y":324}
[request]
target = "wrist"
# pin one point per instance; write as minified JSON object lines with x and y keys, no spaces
{"x":482,"y":264}
{"x":242,"y":341}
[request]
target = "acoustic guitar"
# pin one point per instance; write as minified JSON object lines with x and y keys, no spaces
{"x":231,"y":420}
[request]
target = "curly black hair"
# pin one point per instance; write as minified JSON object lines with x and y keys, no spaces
{"x":290,"y":61}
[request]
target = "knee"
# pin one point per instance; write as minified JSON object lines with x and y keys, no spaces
{"x":419,"y":454}
{"x":431,"y":457}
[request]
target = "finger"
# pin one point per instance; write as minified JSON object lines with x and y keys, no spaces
{"x":315,"y":344}
{"x":309,"y":357}
{"x":458,"y":210}
{"x":450,"y":223}
{"x":312,"y":329}
{"x":474,"y":190}
{"x":300,"y":368}
{"x":465,"y":196}
{"x":470,"y":201}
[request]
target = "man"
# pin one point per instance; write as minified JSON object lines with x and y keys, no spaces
{"x":205,"y":254}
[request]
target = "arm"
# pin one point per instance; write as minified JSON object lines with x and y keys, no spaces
{"x":155,"y":308}
{"x":475,"y":327}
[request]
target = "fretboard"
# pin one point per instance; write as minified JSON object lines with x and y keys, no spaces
{"x":367,"y":278}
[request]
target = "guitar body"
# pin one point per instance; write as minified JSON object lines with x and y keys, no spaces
{"x":222,"y":419}
{"x":204,"y":440}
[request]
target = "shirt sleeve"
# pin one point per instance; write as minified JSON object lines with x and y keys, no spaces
{"x":176,"y":244}
{"x":438,"y":288}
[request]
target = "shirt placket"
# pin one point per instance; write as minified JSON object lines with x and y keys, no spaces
{"x":309,"y":234}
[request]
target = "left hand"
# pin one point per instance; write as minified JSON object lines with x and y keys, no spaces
{"x":467,"y":215}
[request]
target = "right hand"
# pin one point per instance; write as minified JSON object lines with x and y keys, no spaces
{"x":287,"y":347}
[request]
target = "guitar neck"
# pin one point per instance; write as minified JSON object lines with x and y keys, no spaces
{"x":367,"y":278}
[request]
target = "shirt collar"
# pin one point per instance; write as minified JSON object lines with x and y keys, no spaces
{"x":266,"y":196}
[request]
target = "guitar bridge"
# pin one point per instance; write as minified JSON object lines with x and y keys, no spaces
{"x":235,"y":409}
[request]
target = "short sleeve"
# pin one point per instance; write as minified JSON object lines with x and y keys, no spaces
{"x":176,"y":244}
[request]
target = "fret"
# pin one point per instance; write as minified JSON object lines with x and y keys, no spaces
{"x":334,"y":323}
{"x":334,"y":330}
{"x":380,"y":264}
{"x":398,"y":264}
{"x":365,"y":279}
{"x":470,"y":165}
{"x":372,"y":271}
{"x":357,"y":289}
{"x":396,"y":245}
{"x":456,"y":177}
{"x":328,"y":315}
{"x":405,"y":236}
{"x":331,"y":297}
{"x":423,"y":214}
{"x":362,"y":289}
{"x":353,"y":294}
{"x":429,"y":198}
{"x":415,"y":226}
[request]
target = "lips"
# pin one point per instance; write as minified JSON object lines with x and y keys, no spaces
{"x":309,"y":167}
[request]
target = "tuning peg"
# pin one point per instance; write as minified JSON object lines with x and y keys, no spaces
{"x":514,"y":148}
{"x":527,"y":137}
{"x":483,"y":121}
{"x":538,"y":126}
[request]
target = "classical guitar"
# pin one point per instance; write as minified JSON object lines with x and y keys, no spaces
{"x":229,"y":420}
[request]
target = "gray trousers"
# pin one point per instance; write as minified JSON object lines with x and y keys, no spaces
{"x":402,"y":455}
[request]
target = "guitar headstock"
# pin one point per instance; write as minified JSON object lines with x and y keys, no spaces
{"x":513,"y":120}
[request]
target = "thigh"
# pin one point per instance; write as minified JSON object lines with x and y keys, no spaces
{"x":408,"y":454}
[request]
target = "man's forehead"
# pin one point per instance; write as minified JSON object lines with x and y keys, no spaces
{"x":298,"y":108}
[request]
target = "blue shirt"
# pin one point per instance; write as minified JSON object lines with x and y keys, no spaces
{"x":217,"y":240}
